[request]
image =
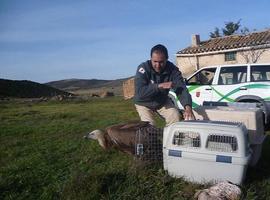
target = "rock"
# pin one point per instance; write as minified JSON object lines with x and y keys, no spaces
{"x":107,"y":94}
{"x":221,"y":191}
{"x":94,"y":95}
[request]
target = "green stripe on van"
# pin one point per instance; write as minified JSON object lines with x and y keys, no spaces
{"x":193,"y":87}
{"x":227,"y":96}
{"x":260,"y":86}
{"x":194,"y":105}
{"x":221,"y":95}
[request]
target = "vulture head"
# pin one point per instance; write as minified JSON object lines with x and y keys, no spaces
{"x":97,"y":135}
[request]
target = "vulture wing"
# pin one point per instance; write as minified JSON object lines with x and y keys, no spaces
{"x":123,"y":136}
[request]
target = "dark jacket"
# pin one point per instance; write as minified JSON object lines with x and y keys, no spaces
{"x":147,"y":92}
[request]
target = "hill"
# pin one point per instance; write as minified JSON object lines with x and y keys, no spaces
{"x":88,"y":86}
{"x":27,"y":89}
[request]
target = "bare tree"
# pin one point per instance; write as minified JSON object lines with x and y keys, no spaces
{"x":245,"y":31}
{"x":252,"y":54}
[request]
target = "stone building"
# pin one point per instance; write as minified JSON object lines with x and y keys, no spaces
{"x":129,"y":88}
{"x":250,"y":48}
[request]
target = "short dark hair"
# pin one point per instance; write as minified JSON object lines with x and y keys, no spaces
{"x":160,"y":48}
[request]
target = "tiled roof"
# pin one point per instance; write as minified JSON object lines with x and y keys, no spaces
{"x":229,"y":42}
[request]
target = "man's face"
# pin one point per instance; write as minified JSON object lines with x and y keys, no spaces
{"x":158,"y":61}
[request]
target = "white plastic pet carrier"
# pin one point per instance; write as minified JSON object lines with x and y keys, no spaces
{"x":206,"y":151}
{"x":252,"y":117}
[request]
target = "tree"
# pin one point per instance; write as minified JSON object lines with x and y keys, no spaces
{"x":245,"y":31}
{"x":215,"y":34}
{"x":252,"y":54}
{"x":229,"y":29}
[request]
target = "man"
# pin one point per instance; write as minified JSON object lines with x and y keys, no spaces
{"x":154,"y":78}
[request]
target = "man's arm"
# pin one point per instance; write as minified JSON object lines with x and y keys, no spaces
{"x":182,"y":92}
{"x":179,"y":86}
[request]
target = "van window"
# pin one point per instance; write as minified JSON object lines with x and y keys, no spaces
{"x":232,"y":75}
{"x":203,"y":77}
{"x":260,"y":73}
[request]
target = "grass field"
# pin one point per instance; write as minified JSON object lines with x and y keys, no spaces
{"x":43,"y":156}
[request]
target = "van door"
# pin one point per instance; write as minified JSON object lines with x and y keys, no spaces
{"x":231,"y":84}
{"x":260,"y":81}
{"x":199,"y":86}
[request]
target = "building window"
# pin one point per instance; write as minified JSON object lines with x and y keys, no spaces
{"x":230,"y":56}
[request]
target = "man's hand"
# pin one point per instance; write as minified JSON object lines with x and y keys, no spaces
{"x":165,"y":85}
{"x":188,"y":114}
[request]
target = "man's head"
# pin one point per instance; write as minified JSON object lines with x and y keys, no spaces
{"x":159,"y":57}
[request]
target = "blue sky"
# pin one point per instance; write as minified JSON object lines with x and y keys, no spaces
{"x":47,"y":40}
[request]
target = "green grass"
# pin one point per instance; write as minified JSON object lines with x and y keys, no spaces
{"x":43,"y":156}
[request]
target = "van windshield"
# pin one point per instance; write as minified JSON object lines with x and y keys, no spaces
{"x":203,"y":77}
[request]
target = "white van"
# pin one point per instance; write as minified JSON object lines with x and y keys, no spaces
{"x":232,"y":83}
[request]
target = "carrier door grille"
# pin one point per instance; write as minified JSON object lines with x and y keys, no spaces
{"x":148,"y":144}
{"x":186,"y":139}
{"x":224,"y":143}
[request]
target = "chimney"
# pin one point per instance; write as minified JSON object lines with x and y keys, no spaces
{"x":195,"y":40}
